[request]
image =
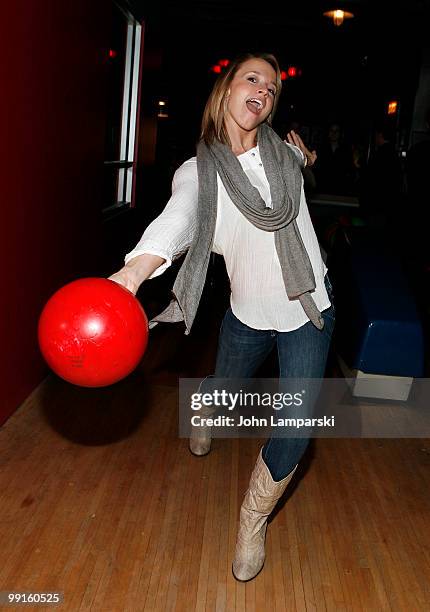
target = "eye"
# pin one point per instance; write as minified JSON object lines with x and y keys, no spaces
{"x":252,"y":79}
{"x":272,"y":92}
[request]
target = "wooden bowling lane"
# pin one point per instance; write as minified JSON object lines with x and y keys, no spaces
{"x":102,"y":501}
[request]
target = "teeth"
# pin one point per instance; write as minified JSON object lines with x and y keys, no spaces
{"x":259,"y":102}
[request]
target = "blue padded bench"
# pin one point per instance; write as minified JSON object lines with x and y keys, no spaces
{"x":379,"y":334}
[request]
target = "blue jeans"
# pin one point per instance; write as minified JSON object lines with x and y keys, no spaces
{"x":302,"y":354}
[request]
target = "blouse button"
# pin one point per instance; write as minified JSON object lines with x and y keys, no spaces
{"x":260,"y":164}
{"x":253,"y":154}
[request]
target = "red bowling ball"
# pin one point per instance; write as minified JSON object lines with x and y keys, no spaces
{"x":93,"y":332}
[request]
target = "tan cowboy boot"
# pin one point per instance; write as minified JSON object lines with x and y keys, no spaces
{"x":200,"y":436}
{"x":260,"y":499}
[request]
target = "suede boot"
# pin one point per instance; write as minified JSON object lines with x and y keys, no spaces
{"x":260,"y":499}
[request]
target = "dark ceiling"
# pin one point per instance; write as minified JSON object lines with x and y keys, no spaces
{"x":293,"y":31}
{"x":226,"y":16}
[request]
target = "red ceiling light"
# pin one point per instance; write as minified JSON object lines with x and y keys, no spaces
{"x":220,"y":66}
{"x":112,"y":53}
{"x":292,"y":72}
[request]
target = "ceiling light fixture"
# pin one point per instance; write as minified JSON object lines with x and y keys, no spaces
{"x":338,"y":16}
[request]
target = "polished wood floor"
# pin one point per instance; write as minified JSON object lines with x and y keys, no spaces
{"x":102,"y":501}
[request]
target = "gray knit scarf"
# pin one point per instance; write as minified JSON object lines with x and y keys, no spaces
{"x":284,"y":175}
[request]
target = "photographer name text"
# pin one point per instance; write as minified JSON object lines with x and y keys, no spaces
{"x":253,"y":421}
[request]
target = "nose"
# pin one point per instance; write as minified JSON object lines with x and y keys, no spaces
{"x":263,"y":90}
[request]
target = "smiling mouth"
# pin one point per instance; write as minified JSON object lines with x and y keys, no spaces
{"x":254,"y":105}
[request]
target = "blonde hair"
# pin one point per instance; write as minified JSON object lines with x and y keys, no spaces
{"x":213,"y":124}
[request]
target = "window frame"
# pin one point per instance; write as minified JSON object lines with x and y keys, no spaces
{"x":130,"y":111}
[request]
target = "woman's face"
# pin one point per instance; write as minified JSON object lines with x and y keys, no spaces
{"x":251,"y":95}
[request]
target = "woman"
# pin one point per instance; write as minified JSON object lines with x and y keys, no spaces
{"x":243,"y":197}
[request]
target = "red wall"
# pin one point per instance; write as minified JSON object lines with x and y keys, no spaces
{"x":52,"y":121}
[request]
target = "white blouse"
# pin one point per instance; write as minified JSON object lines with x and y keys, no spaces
{"x":258,"y":296}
